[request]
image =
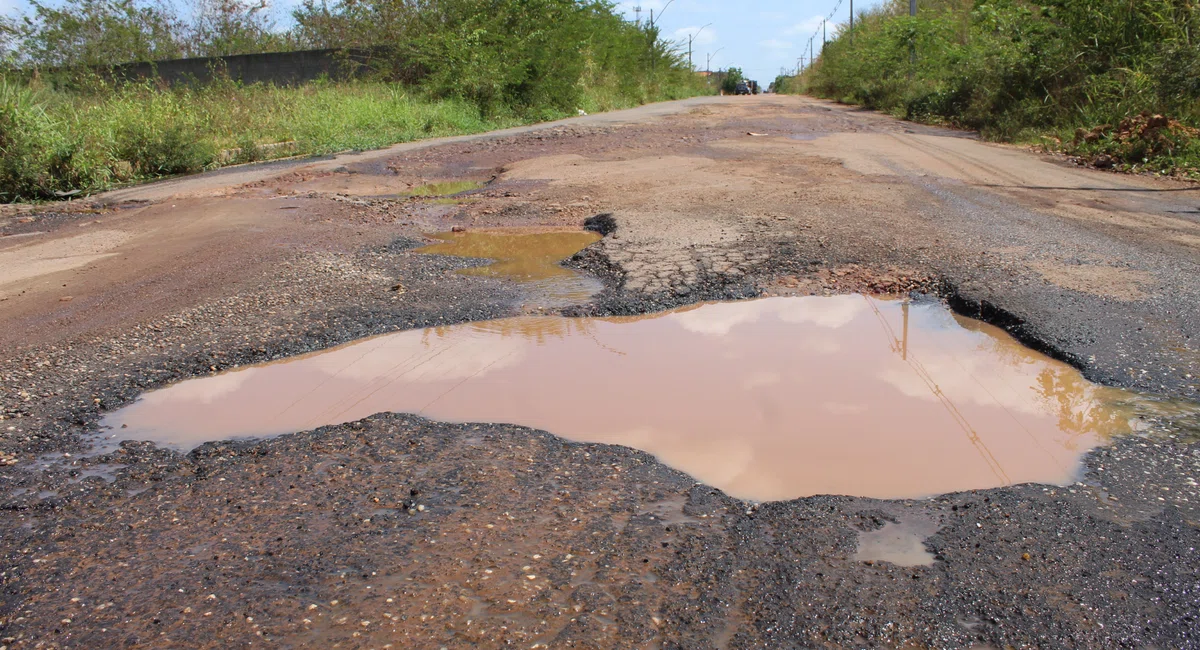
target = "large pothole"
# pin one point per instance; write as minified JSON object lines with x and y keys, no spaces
{"x":766,"y":399}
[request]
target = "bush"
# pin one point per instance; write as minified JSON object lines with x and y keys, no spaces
{"x":445,"y":67}
{"x":154,"y":150}
{"x":23,"y":123}
{"x":1009,"y":67}
{"x":731,"y":79}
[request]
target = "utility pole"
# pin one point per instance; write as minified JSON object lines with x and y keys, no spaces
{"x":708,"y":63}
{"x":810,"y":52}
{"x":692,"y":37}
{"x":638,"y":11}
{"x":650,"y":33}
{"x":660,"y":12}
{"x":912,"y":46}
{"x":824,"y":40}
{"x":852,"y":22}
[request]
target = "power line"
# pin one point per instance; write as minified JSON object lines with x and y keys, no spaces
{"x":821,"y":29}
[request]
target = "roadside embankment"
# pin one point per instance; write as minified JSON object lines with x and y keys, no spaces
{"x":1109,"y":83}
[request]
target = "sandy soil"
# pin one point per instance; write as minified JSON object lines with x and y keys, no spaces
{"x":317,"y":538}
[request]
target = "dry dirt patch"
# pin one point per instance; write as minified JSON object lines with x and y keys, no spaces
{"x":24,"y":262}
{"x":1127,"y":285}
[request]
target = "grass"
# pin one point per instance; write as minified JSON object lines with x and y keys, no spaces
{"x":1112,"y":82}
{"x":58,"y":143}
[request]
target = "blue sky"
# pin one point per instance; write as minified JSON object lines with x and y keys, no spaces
{"x":759,"y":36}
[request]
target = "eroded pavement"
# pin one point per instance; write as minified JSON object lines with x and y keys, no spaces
{"x":398,"y":532}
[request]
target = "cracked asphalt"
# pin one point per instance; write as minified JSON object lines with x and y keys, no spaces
{"x":401,"y":532}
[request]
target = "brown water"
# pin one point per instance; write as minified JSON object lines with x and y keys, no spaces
{"x":446,"y":188}
{"x":531,"y":258}
{"x":766,"y":399}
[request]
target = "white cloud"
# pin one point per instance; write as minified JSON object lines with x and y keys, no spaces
{"x":417,"y":357}
{"x":703,"y":36}
{"x":719,"y":319}
{"x":806,"y":28}
{"x":776,"y":44}
{"x":205,"y":390}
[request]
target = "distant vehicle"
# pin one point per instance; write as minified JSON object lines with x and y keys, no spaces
{"x":754,"y":87}
{"x":743,"y":88}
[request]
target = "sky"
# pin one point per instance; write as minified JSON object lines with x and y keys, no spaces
{"x":762,"y":37}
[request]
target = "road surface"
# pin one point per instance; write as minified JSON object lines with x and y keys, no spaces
{"x":523,"y":539}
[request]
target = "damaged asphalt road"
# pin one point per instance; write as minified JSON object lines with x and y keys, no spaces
{"x":401,"y":532}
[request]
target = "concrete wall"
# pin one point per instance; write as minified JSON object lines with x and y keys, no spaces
{"x":280,"y":68}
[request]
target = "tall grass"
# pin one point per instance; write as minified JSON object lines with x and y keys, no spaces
{"x":1020,"y":70}
{"x":467,"y":66}
{"x":57,"y":142}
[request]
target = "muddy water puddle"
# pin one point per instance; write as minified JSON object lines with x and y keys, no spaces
{"x":766,"y":399}
{"x":530,"y":258}
{"x":901,"y":543}
{"x":445,"y":188}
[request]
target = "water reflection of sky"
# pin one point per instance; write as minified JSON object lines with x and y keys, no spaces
{"x":766,"y":399}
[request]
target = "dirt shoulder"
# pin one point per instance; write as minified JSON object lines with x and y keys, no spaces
{"x":401,"y":531}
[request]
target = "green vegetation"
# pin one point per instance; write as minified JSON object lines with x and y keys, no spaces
{"x":730,"y":79}
{"x":58,"y":141}
{"x":1092,"y":78}
{"x":445,"y":67}
{"x":786,"y":85}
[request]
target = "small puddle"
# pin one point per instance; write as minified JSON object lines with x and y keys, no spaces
{"x":531,"y":258}
{"x":447,"y":188}
{"x":766,"y":399}
{"x":902,"y":544}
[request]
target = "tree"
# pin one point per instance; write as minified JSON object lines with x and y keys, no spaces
{"x":731,"y":79}
{"x":97,"y":33}
{"x":225,"y":27}
{"x":8,"y":40}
